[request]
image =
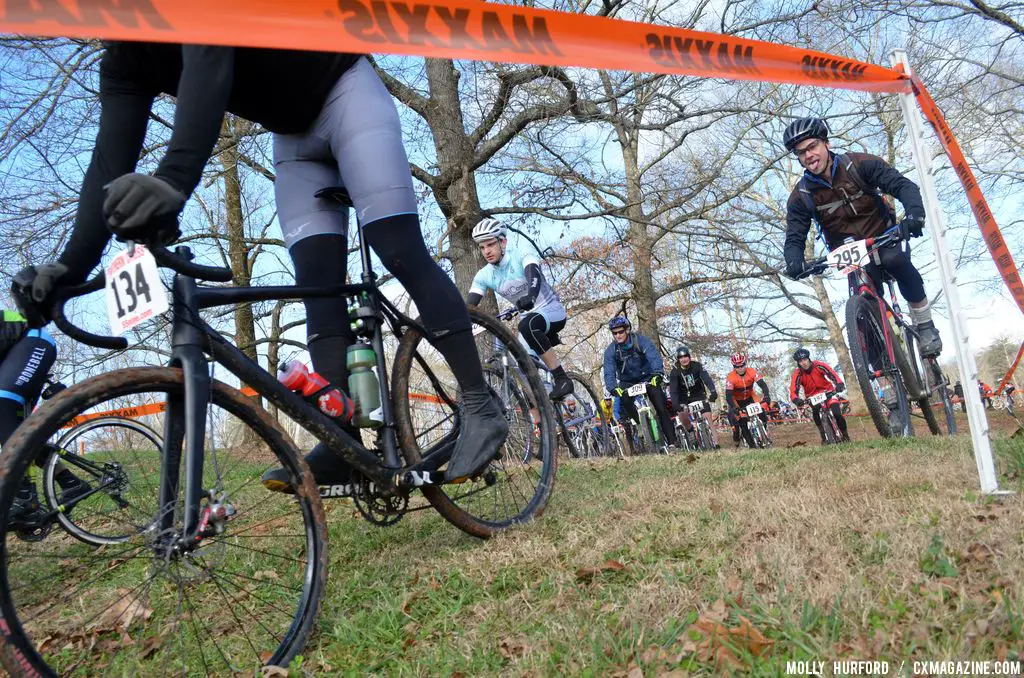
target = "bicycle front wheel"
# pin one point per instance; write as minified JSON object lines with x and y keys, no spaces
{"x":242,"y":596}
{"x":870,"y":360}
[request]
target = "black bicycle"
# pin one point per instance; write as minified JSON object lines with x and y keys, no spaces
{"x":224,"y":576}
{"x":96,"y":479}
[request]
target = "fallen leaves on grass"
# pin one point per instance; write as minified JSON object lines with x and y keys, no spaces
{"x":588,"y":573}
{"x":710,"y":640}
{"x":123,"y":613}
{"x":513,"y":648}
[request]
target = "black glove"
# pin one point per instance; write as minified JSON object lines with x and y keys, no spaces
{"x":911,"y":227}
{"x":143,"y":208}
{"x":657,"y":380}
{"x":798,"y":271}
{"x":619,"y":391}
{"x":524,"y":303}
{"x":712,"y":396}
{"x":32,"y":289}
{"x":799,"y":402}
{"x":840,"y":388}
{"x":795,"y":269}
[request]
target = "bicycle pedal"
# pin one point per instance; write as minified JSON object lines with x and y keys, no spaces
{"x":32,"y":532}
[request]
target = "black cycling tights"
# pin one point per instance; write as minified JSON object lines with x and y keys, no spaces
{"x":22,"y":376}
{"x":658,"y":401}
{"x":534,"y":329}
{"x":898,"y":264}
{"x":320,"y":260}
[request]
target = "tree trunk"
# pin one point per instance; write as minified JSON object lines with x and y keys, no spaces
{"x":455,"y":191}
{"x":238,"y":250}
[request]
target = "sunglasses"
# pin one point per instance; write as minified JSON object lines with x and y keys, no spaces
{"x":813,"y":146}
{"x":618,"y":332}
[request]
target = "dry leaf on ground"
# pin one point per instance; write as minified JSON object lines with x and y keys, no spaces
{"x":513,"y":648}
{"x":588,"y":573}
{"x":122,"y":613}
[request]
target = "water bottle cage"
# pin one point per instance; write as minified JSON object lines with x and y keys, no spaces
{"x":364,"y":320}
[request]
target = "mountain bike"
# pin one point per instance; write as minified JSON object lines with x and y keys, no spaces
{"x":585,"y":430}
{"x":110,"y":457}
{"x":700,"y":428}
{"x":758,"y":431}
{"x":829,"y":425}
{"x":227,"y":577}
{"x":884,"y":347}
{"x":652,"y":439}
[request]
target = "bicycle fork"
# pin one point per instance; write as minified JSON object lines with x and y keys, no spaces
{"x":185,"y":429}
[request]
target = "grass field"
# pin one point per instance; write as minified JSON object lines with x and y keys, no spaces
{"x":736,"y":561}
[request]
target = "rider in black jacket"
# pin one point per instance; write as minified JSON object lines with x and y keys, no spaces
{"x":689,"y":382}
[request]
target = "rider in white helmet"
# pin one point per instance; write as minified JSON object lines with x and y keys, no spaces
{"x":516,"y":277}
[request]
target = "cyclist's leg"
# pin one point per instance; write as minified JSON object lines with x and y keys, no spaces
{"x":660,"y":404}
{"x":22,"y":376}
{"x":361,"y":126}
{"x":816,"y":416}
{"x":535,"y":331}
{"x":897,"y":262}
{"x":315,"y":232}
{"x":711,"y":424}
{"x":629,"y":417}
{"x":745,"y":422}
{"x":837,"y":412}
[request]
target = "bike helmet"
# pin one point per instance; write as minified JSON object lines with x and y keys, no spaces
{"x":804,"y":128}
{"x":617,"y":322}
{"x":800,"y":354}
{"x":739,"y":360}
{"x":681,"y":351}
{"x":488,"y":229}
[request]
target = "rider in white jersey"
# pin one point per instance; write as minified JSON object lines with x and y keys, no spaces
{"x":516,"y":277}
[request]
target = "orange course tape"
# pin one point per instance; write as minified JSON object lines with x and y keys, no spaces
{"x":1009,"y":372}
{"x":128,"y":412}
{"x":453,"y":29}
{"x":989,"y":230}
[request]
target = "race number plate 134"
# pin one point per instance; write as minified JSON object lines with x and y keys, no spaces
{"x":134,"y":291}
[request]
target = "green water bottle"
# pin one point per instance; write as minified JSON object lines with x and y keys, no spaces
{"x":363,"y":386}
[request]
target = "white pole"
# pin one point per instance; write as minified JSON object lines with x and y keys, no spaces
{"x":936,"y":226}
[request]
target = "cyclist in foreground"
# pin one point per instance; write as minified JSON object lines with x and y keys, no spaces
{"x":516,"y":277}
{"x":843,"y":195}
{"x":689,"y":382}
{"x":633,"y":359}
{"x":26,"y":356}
{"x":334,"y":124}
{"x":739,"y":393}
{"x":814,"y":377}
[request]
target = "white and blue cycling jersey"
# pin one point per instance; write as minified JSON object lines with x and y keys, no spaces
{"x":508,"y":280}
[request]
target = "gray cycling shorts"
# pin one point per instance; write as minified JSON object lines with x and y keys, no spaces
{"x":355,"y":142}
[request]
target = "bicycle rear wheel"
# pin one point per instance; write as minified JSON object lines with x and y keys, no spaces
{"x":246,"y":595}
{"x":117,"y":457}
{"x":517,"y":487}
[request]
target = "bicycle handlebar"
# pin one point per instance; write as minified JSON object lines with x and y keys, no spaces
{"x":180,"y":264}
{"x":78,"y":334}
{"x":872,"y":243}
{"x":165,"y":258}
